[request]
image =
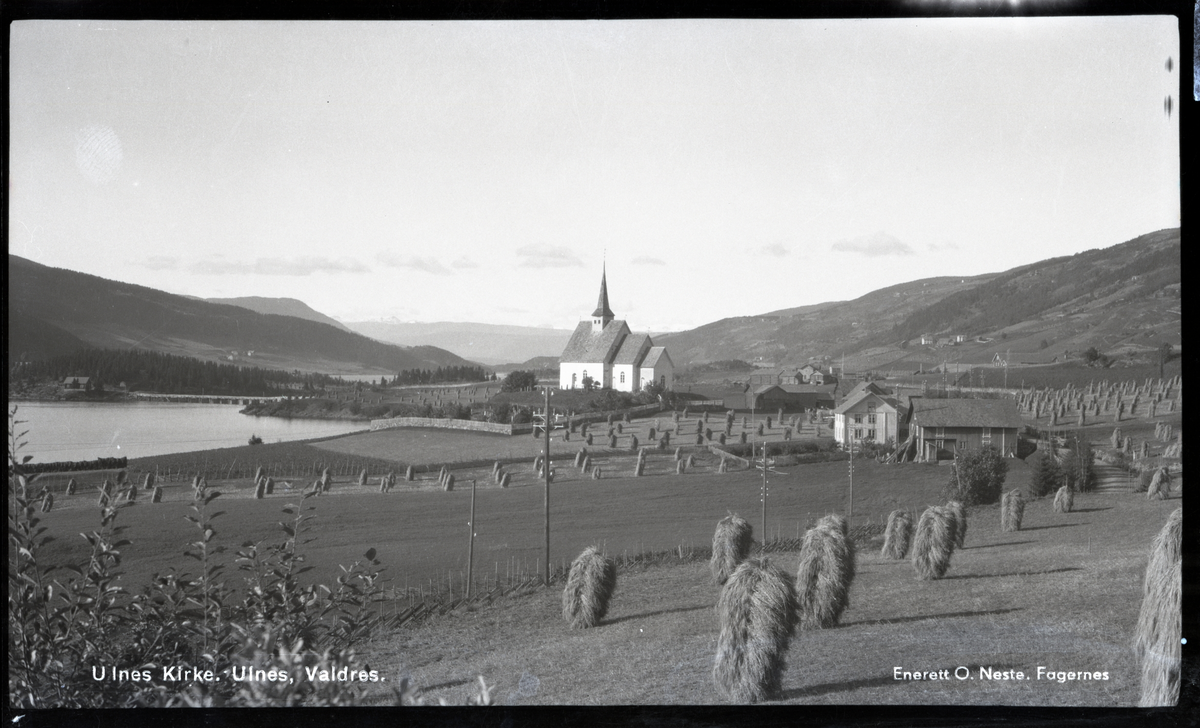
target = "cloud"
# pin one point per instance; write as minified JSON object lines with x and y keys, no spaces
{"x":464,"y":262}
{"x":160,"y":262}
{"x":874,"y":245}
{"x":412,"y":262}
{"x":775,"y":249}
{"x":540,"y":255}
{"x":647,"y":260}
{"x":299,"y":266}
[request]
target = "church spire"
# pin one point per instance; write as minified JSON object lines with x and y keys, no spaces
{"x":602,"y":310}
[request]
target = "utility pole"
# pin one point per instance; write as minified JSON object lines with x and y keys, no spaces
{"x":763,"y":465}
{"x":546,"y":471}
{"x":850,"y":512}
{"x":471,"y":544}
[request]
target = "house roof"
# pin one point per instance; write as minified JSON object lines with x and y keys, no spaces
{"x":654,"y":355}
{"x":856,"y":399}
{"x":81,"y":380}
{"x":767,"y":388}
{"x":584,"y":346}
{"x":966,"y":413}
{"x":631,"y":349}
{"x":866,"y":387}
{"x":807,"y":388}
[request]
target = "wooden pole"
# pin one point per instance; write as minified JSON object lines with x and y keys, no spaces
{"x":471,"y":544}
{"x":764,"y":490}
{"x":850,"y":512}
{"x":546,"y":470}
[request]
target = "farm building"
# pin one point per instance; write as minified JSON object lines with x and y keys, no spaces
{"x":867,"y":415}
{"x":867,"y":387}
{"x":790,"y":397}
{"x":941,"y":426}
{"x":604,"y":350}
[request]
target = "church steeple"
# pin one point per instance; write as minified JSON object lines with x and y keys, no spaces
{"x":603,"y":315}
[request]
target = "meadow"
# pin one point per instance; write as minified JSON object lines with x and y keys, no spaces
{"x":1063,"y":594}
{"x":420,"y":533}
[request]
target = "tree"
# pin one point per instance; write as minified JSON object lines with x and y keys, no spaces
{"x":1165,"y":350}
{"x":1046,"y":475}
{"x":977,"y":476}
{"x":1092,"y":355}
{"x":588,"y":384}
{"x":519,"y":381}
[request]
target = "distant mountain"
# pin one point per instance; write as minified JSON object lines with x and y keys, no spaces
{"x":280,"y":307}
{"x":485,"y":343}
{"x":1122,"y":299}
{"x":114,"y":315}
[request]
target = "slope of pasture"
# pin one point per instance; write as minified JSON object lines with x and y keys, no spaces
{"x":421,"y":535}
{"x":1063,"y":594}
{"x":435,"y":446}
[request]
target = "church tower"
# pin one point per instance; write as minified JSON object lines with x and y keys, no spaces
{"x":603,"y":315}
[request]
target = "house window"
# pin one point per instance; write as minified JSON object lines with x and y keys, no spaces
{"x":622,"y":377}
{"x":941,"y":431}
{"x":870,"y":434}
{"x":871,"y":406}
{"x":858,"y":419}
{"x":987,"y":436}
{"x":857,"y":433}
{"x":871,"y":419}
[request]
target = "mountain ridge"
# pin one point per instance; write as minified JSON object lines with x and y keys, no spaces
{"x":44,"y":301}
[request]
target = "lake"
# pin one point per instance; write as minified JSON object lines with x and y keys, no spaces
{"x":61,"y":431}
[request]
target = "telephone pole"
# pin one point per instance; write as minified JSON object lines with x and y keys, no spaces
{"x":546,"y":471}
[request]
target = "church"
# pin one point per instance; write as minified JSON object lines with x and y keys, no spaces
{"x":603,"y":349}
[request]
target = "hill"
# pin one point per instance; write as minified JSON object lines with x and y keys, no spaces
{"x":113,"y":315}
{"x":485,"y":343}
{"x":1124,"y":300}
{"x":280,"y":307}
{"x":826,"y":329}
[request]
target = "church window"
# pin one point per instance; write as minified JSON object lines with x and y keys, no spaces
{"x":622,"y":377}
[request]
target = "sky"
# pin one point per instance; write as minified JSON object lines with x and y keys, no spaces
{"x":487,"y":171}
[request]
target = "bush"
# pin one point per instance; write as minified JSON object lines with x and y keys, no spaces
{"x":977,"y":477}
{"x":255,"y":440}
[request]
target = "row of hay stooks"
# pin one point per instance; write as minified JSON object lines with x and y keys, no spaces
{"x":761,"y":605}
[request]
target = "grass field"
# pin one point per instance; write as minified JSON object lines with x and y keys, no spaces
{"x":1063,"y":594}
{"x":421,"y":534}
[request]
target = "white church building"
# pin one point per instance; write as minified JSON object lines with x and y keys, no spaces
{"x":604,"y":349}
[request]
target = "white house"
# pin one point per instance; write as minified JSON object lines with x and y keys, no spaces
{"x":604,"y":350}
{"x":866,"y":416}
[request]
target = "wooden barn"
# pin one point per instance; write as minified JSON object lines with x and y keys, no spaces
{"x":942,"y":426}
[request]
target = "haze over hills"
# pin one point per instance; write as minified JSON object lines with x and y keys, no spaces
{"x":50,"y":309}
{"x":485,"y":343}
{"x":1122,"y":299}
{"x":281,"y":307}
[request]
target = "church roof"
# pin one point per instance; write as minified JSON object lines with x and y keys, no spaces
{"x":631,"y":349}
{"x":584,"y":346}
{"x":602,"y":309}
{"x":652,"y":357}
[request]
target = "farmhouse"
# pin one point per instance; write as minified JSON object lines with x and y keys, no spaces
{"x":941,"y":426}
{"x":604,"y":352}
{"x":867,"y":415}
